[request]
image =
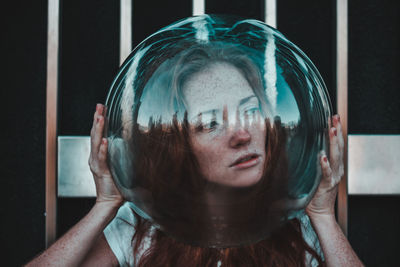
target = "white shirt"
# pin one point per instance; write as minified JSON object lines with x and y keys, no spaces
{"x":120,"y":231}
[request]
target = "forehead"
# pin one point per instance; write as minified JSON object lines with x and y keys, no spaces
{"x":214,"y":87}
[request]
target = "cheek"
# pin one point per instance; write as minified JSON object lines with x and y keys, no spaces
{"x":202,"y":146}
{"x":258,"y":134}
{"x":207,"y":150}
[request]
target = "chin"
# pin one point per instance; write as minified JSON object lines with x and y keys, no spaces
{"x":246,"y":183}
{"x":246,"y":179}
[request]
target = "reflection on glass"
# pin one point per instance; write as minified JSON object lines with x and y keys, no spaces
{"x":214,"y":128}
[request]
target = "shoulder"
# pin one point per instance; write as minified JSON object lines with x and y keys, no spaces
{"x":119,"y":234}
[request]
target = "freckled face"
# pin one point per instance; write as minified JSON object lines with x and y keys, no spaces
{"x":227,"y":130}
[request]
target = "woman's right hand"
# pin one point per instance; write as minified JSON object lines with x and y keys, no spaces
{"x":84,"y":244}
{"x":106,"y":190}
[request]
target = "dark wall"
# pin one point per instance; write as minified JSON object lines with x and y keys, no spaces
{"x":150,"y":16}
{"x":374,"y":108}
{"x":311,"y":25}
{"x":247,"y":9}
{"x":374,"y":67}
{"x":89,"y":59}
{"x":23,"y":95}
{"x":374,"y":229}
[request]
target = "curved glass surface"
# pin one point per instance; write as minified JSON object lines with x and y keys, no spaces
{"x":215,"y":125}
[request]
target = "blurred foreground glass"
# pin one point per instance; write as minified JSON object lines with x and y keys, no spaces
{"x":215,"y":125}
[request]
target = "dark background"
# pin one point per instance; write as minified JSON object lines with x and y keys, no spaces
{"x":89,"y":55}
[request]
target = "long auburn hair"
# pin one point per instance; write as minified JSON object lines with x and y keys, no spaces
{"x":171,"y":173}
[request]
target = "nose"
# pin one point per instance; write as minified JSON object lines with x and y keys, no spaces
{"x":240,"y":137}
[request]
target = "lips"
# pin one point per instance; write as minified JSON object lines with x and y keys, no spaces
{"x":246,"y":161}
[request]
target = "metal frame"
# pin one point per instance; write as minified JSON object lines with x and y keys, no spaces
{"x":270,"y":13}
{"x":198,"y":7}
{"x":373,"y":167}
{"x":74,"y":178}
{"x":125,"y":30}
{"x":342,"y":102}
{"x":51,"y":120}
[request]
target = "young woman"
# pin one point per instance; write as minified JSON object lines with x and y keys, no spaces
{"x":221,"y":144}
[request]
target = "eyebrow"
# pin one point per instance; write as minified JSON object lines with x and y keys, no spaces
{"x":246,"y":99}
{"x":212,"y":111}
{"x":215,"y":111}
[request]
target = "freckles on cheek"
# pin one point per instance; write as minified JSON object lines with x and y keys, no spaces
{"x":197,"y":145}
{"x":201,"y":146}
{"x":205,"y":149}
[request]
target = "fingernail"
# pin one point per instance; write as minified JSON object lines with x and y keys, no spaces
{"x":97,"y":107}
{"x":103,"y":141}
{"x":325,"y":159}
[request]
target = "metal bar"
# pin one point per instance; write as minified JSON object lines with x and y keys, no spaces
{"x":372,"y":161}
{"x":125,"y":30}
{"x":270,"y":16}
{"x":341,"y":78}
{"x":51,"y":120}
{"x":373,"y":165}
{"x":198,"y":7}
{"x":74,"y":176}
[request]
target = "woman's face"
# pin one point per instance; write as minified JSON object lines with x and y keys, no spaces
{"x":227,"y":130}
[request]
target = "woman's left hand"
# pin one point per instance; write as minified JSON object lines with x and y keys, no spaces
{"x":323,"y":202}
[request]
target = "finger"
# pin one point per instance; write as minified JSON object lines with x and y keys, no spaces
{"x":102,"y":156}
{"x":95,"y":138}
{"x":325,"y":168}
{"x":98,"y":134}
{"x":92,"y":145}
{"x":334,"y":151}
{"x":340,"y":165}
{"x":338,"y":126}
{"x":94,"y":120}
{"x":99,"y":109}
{"x":341,"y":148}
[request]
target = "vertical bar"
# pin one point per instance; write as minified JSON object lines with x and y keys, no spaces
{"x":341,"y":72}
{"x":125,"y":30}
{"x":270,"y":13}
{"x":51,"y":120}
{"x":198,"y":7}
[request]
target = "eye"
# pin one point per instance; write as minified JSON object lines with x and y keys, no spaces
{"x":207,"y":127}
{"x":251,"y":111}
{"x":212,"y":125}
